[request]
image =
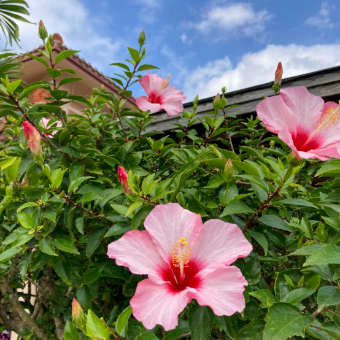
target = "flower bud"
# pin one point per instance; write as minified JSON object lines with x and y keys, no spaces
{"x":278,"y":74}
{"x":122,"y":175}
{"x":216,"y":102}
{"x":142,"y":38}
{"x":228,"y":171}
{"x":195,"y":101}
{"x":42,"y":32}
{"x":272,"y":144}
{"x":78,"y":315}
{"x":33,"y":138}
{"x":278,"y":78}
{"x":224,"y":89}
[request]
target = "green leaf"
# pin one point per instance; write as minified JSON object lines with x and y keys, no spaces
{"x":330,"y":169}
{"x":74,"y":185}
{"x":200,"y":322}
{"x":328,"y":296}
{"x":265,"y":296}
{"x":64,"y":243}
{"x":11,"y":87}
{"x":275,"y":222}
{"x":252,"y":271}
{"x":121,"y":65}
{"x":236,"y":207}
{"x":31,"y":88}
{"x":332,"y":329}
{"x":118,"y":229}
{"x":182,"y":328}
{"x":62,"y":266}
{"x":284,"y":321}
{"x":309,"y":250}
{"x":9,"y":253}
{"x":70,"y":332}
{"x":94,"y":240}
{"x":297,"y":295}
{"x":71,"y":151}
{"x":120,"y":208}
{"x":148,"y":335}
{"x":47,"y":247}
{"x":122,"y":320}
{"x":140,"y":215}
{"x":325,"y":255}
{"x":64,"y":54}
{"x":22,"y":239}
{"x":134,"y":54}
{"x":314,"y":282}
{"x":41,"y":60}
{"x":260,"y":239}
{"x":147,"y":67}
{"x":133,"y":207}
{"x":299,"y":202}
{"x":253,"y":331}
{"x":25,"y":219}
{"x":68,"y":81}
{"x":95,"y":327}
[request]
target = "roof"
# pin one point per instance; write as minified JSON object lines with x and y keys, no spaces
{"x":80,"y":63}
{"x":324,"y":83}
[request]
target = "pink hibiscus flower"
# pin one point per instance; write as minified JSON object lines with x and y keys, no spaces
{"x":308,"y":125}
{"x":184,"y":260}
{"x":160,"y":95}
{"x":45,"y":123}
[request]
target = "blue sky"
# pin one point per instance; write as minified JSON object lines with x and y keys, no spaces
{"x":202,"y":44}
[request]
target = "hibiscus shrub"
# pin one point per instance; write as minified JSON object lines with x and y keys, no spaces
{"x":121,"y":233}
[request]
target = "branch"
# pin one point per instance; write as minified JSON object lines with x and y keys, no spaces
{"x":16,"y":305}
{"x":58,"y":320}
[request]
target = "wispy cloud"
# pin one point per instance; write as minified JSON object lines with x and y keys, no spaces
{"x":322,"y":18}
{"x":234,"y":18}
{"x":148,"y":10}
{"x":258,"y":68}
{"x":79,"y":29}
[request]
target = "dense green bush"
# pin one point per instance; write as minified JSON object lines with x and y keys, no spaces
{"x":61,"y":207}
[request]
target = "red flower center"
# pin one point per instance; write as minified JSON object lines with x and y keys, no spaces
{"x":154,"y":98}
{"x":301,"y":137}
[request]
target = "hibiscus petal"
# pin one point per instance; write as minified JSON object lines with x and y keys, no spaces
{"x":151,"y":83}
{"x":275,"y":115}
{"x":166,"y":224}
{"x":173,"y":107}
{"x":222,"y":290}
{"x":330,"y":134}
{"x":155,"y":304}
{"x":218,"y":243}
{"x":144,"y":104}
{"x":306,"y":107}
{"x":171,"y":92}
{"x":136,"y":251}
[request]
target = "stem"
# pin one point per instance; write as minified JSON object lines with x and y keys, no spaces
{"x":226,"y":124}
{"x":111,"y":331}
{"x":267,"y":201}
{"x":16,"y":305}
{"x":42,"y":135}
{"x":68,"y":199}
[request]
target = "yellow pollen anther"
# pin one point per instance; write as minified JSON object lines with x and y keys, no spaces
{"x":181,"y":253}
{"x":166,"y":82}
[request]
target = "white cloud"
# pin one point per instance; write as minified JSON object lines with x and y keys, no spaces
{"x":148,"y":10}
{"x":322,"y":18}
{"x":183,"y":38}
{"x":77,"y":26}
{"x":258,"y":68}
{"x":233,"y":18}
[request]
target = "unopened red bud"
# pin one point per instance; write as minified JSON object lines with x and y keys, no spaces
{"x":123,"y":176}
{"x":216,"y":102}
{"x":142,"y":38}
{"x":42,"y":32}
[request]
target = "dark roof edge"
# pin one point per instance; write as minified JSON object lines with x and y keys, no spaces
{"x":265,"y":85}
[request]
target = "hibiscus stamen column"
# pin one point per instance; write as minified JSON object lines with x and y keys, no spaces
{"x":328,"y":120}
{"x":181,"y":254}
